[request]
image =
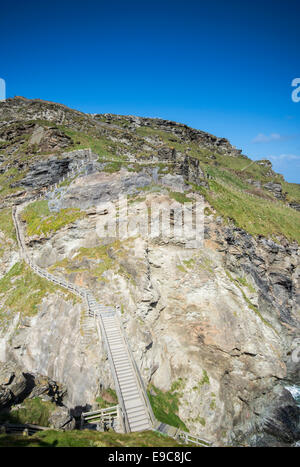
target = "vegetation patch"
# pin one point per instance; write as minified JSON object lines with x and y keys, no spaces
{"x":249,"y":303}
{"x":113,"y":167}
{"x":244,"y":283}
{"x":22,"y":291}
{"x":10,"y":176}
{"x":255,"y":215}
{"x":7,"y":231}
{"x":107,"y":398}
{"x":99,"y":143}
{"x":40,"y":220}
{"x":180,"y":197}
{"x":203,"y":381}
{"x":189,"y":263}
{"x":89,"y":438}
{"x":6,"y":224}
{"x":165,"y":405}
{"x":33,"y":411}
{"x":101,"y":259}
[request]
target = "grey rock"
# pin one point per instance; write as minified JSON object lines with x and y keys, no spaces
{"x":61,"y":419}
{"x":12,"y":383}
{"x":276,"y":189}
{"x":279,"y":420}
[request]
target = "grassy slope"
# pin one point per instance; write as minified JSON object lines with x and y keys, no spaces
{"x":165,"y":404}
{"x":259,"y":215}
{"x":88,"y":438}
{"x":7,"y":231}
{"x":263,"y":217}
{"x":40,"y":220}
{"x":7,"y":225}
{"x":256,"y":215}
{"x":22,"y":291}
{"x":34,"y":411}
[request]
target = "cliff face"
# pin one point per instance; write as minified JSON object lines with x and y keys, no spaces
{"x":212,"y":327}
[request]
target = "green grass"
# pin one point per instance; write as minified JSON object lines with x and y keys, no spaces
{"x":255,"y":215}
{"x":245,"y":283}
{"x":113,"y":167}
{"x":165,"y":405}
{"x":100,"y":253}
{"x":204,"y":380}
{"x":189,"y":263}
{"x":6,"y":224}
{"x":40,"y":220}
{"x":89,"y":438}
{"x":23,"y":291}
{"x":104,"y":258}
{"x":254,"y":308}
{"x":227,"y":177}
{"x":8,"y":230}
{"x":258,"y":216}
{"x":34,"y":411}
{"x":292,"y":190}
{"x":212,"y":404}
{"x":108,"y":398}
{"x":10,"y":176}
{"x":180,"y":197}
{"x":99,"y":143}
{"x":181,"y":268}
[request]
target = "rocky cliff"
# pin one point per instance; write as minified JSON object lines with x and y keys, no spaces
{"x":213,"y":328}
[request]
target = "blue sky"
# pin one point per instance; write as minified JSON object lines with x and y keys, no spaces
{"x":222,"y":66}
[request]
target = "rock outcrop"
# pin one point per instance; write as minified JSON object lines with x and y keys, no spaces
{"x":213,"y":326}
{"x":17,"y":385}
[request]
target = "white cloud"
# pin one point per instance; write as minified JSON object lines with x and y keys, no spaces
{"x":262,"y":138}
{"x":284,"y":157}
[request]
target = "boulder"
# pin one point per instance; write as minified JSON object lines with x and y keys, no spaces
{"x":276,"y":189}
{"x":279,"y":421}
{"x":13,"y":383}
{"x":61,"y":419}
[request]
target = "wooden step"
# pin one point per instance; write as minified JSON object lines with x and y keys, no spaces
{"x":140,"y":426}
{"x":138,"y":418}
{"x":136,"y":410}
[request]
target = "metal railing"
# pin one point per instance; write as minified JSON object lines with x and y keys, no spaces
{"x":109,"y":417}
{"x":188,"y":438}
{"x":141,"y":386}
{"x":16,"y":428}
{"x":101,"y":332}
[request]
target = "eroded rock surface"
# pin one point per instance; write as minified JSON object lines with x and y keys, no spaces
{"x":221,"y":319}
{"x":219,"y":322}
